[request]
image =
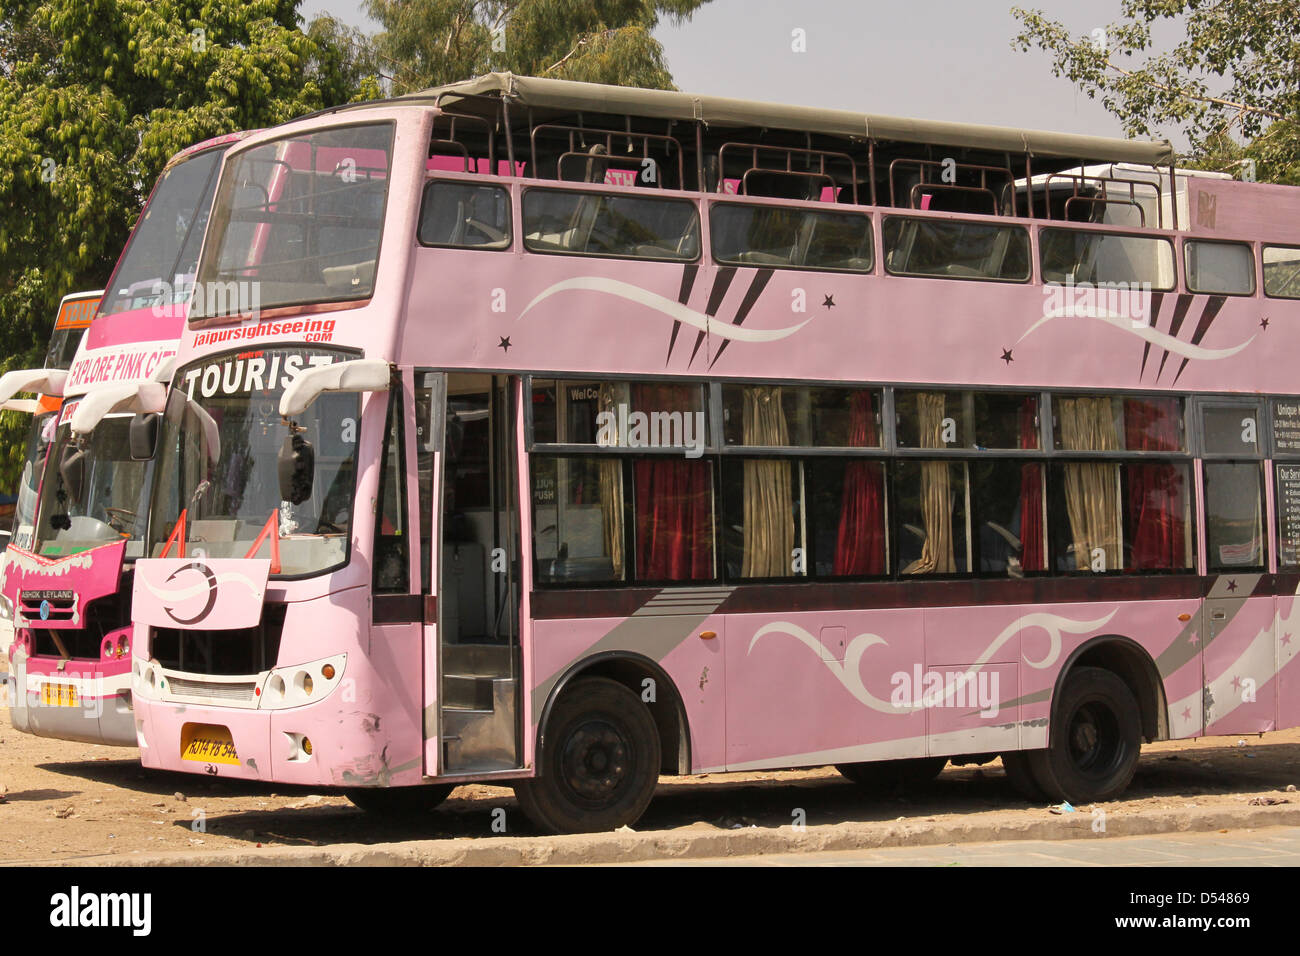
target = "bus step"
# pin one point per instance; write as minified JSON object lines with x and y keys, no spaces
{"x":478,"y":660}
{"x":467,"y":692}
{"x":481,"y":740}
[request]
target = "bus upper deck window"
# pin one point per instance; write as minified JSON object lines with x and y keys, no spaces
{"x":1106,"y":259}
{"x":1219,"y":268}
{"x":782,"y":237}
{"x":614,"y":225}
{"x":1282,"y":272}
{"x":299,"y":219}
{"x":464,"y":214}
{"x":955,"y":249}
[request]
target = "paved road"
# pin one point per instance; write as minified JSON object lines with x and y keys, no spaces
{"x":1279,"y":846}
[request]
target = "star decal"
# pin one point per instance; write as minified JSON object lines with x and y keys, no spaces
{"x":1286,"y":638}
{"x":1263,"y":323}
{"x":1006,"y":356}
{"x":1187,"y":713}
{"x":504,"y":344}
{"x":1193,"y":639}
{"x":1232,"y":585}
{"x":829,"y":301}
{"x":1236,"y":682}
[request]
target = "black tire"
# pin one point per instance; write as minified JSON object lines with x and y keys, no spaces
{"x":599,"y":760}
{"x":888,"y":776}
{"x":1096,"y":735}
{"x":400,"y":801}
{"x":1021,"y":776}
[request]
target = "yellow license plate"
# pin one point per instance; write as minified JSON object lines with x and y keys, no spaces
{"x":58,"y":695}
{"x":208,"y":743}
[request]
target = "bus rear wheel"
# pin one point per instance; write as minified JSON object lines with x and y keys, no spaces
{"x":1096,"y":739}
{"x":886,"y":776}
{"x":600,"y":761}
{"x":401,"y":801}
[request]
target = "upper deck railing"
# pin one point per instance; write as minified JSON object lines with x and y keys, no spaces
{"x":547,"y":168}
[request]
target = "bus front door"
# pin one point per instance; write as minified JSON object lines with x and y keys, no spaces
{"x":478,"y":594}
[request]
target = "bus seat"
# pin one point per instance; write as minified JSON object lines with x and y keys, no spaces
{"x":755,"y":258}
{"x":345,"y":279}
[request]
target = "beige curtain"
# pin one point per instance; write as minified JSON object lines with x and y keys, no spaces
{"x":1091,"y":488}
{"x":611,"y":482}
{"x":768,"y":519}
{"x":936,"y":492}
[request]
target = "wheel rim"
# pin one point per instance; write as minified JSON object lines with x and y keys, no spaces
{"x":1095,"y":744}
{"x":595,"y":762}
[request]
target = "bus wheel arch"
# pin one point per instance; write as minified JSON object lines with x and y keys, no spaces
{"x":632,"y":670}
{"x":1130,"y":662}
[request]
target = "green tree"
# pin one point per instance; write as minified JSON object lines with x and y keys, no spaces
{"x":1235,"y":74}
{"x":431,"y":42}
{"x":95,"y":96}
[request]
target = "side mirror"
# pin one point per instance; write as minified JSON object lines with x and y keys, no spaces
{"x":73,"y":471}
{"x":143,"y":436}
{"x":296,"y":464}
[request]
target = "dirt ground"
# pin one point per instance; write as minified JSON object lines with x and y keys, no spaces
{"x":65,"y":802}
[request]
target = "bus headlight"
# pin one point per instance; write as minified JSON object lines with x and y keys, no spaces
{"x":301,"y":684}
{"x":145,"y":677}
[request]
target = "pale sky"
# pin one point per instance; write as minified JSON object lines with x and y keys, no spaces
{"x":930,"y":59}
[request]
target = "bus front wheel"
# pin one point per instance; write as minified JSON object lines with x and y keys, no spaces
{"x":600,"y":761}
{"x":1096,"y":739}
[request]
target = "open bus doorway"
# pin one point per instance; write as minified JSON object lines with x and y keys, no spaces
{"x":478,"y":593}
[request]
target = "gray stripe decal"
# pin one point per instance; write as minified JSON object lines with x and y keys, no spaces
{"x":654,"y":635}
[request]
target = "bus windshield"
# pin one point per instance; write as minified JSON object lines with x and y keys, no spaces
{"x":157,"y":268}
{"x":106,"y":504}
{"x":299,"y":219}
{"x":222,"y":434}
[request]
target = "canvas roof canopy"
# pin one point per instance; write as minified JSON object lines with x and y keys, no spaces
{"x":568,"y":96}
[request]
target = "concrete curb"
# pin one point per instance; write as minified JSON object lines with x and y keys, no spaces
{"x":690,"y":843}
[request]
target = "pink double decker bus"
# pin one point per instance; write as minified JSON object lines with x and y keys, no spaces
{"x":74,"y":315}
{"x":69,"y":566}
{"x":588,"y":434}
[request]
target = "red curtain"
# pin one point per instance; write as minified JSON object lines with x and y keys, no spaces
{"x":1031,"y":494}
{"x":1156,"y":527}
{"x":860,"y":547}
{"x":674,"y":500}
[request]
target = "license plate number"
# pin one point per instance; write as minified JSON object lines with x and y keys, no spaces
{"x":58,"y":695}
{"x":208,"y":743}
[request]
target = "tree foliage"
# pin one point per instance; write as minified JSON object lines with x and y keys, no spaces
{"x":96,"y":95}
{"x":1234,"y":74}
{"x":431,"y":42}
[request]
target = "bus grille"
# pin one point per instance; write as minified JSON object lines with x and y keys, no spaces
{"x":211,"y":690}
{"x":61,"y":605}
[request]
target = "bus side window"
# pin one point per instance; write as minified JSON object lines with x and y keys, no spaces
{"x":465,"y":215}
{"x":392,"y":559}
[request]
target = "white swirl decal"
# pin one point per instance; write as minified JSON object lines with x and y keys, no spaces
{"x":849,"y":672}
{"x":177,"y":595}
{"x":669,"y":307}
{"x":1143,"y":331}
